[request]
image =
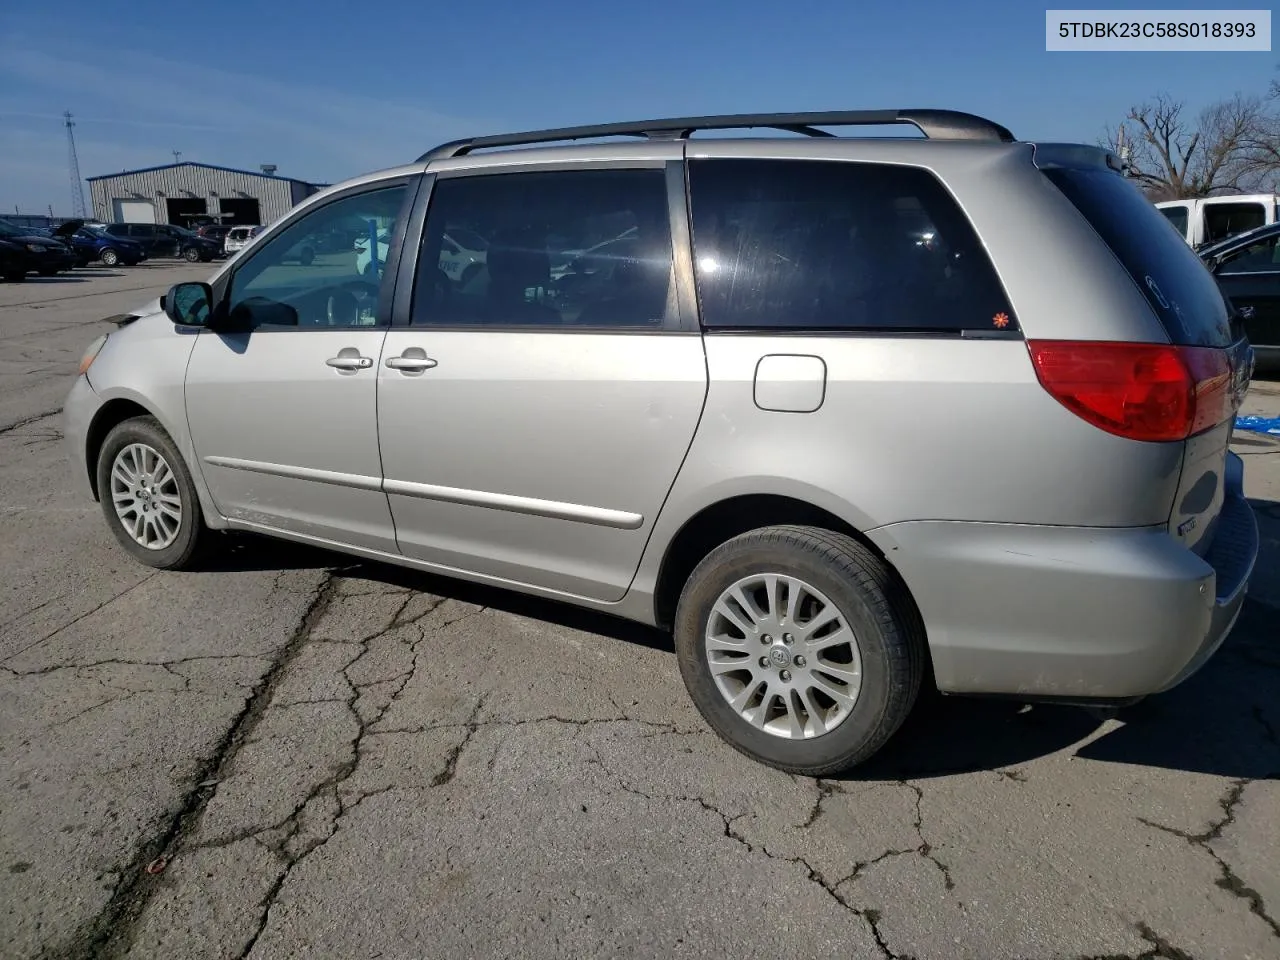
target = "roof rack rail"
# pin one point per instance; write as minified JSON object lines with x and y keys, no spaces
{"x":934,"y":124}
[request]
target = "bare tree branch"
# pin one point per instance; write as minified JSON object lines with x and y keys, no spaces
{"x":1233,"y":145}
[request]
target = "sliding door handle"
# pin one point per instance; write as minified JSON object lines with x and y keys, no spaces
{"x":414,"y":360}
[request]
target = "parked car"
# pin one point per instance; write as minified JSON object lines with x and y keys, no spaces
{"x":31,"y":252}
{"x":1207,"y":220}
{"x":237,"y":238}
{"x":191,"y":246}
{"x":14,"y":262}
{"x":1247,"y":268}
{"x":92,"y":244}
{"x":156,"y":241}
{"x":723,"y":439}
{"x":214,"y":231}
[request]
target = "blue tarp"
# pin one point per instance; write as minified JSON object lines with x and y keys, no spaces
{"x":1259,"y":424}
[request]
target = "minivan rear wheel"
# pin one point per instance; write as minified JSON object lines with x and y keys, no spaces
{"x":799,"y":648}
{"x":148,"y":496}
{"x":109,"y":257}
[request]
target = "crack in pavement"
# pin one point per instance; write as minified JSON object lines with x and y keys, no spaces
{"x":111,"y":932}
{"x":1228,"y":881}
{"x":658,"y":726}
{"x":331,"y":786}
{"x":827,"y":788}
{"x":26,"y":613}
{"x":1161,"y":949}
{"x":71,"y":623}
{"x":451,"y":761}
{"x":18,"y":424}
{"x":167,"y":665}
{"x":870,"y":916}
{"x":926,"y":849}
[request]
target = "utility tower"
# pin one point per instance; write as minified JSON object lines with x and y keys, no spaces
{"x":77,"y":186}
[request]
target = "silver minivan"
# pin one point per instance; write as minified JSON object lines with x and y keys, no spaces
{"x":846,"y":415}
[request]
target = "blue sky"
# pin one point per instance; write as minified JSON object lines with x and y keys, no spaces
{"x":328,"y":89}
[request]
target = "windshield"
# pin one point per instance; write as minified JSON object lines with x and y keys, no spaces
{"x":1176,"y":283}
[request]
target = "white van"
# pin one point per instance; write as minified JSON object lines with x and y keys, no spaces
{"x":1208,"y":219}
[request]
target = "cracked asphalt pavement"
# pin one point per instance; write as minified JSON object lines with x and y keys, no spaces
{"x":297,"y":754}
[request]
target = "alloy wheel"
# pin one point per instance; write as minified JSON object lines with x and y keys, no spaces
{"x":146,"y":497}
{"x":783,"y":656}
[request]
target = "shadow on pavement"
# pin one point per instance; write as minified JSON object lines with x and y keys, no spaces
{"x":60,"y":278}
{"x":1222,"y":721}
{"x":535,"y":608}
{"x":244,"y":552}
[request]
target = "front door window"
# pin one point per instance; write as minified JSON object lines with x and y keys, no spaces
{"x":318,"y":272}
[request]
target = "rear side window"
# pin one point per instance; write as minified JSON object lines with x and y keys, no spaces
{"x":1260,"y":257}
{"x":585,"y":248}
{"x":1176,"y":216}
{"x":831,"y":245}
{"x":1223,"y":220}
{"x":1175,"y":282}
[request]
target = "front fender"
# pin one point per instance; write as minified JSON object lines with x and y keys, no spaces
{"x":145,"y":364}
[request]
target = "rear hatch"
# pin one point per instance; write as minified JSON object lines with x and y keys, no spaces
{"x":1207,"y":346}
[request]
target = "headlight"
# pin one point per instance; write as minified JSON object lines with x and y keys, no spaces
{"x":35,"y":248}
{"x":91,"y":354}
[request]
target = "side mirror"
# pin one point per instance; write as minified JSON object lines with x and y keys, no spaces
{"x":189,"y":304}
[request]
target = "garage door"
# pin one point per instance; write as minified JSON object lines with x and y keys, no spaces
{"x":134,"y":211}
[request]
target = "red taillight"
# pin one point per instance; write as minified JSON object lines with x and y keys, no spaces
{"x":1142,"y":391}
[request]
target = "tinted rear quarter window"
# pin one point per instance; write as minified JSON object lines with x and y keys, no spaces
{"x":1175,"y":282}
{"x":837,"y":246}
{"x":1176,"y":216}
{"x":1228,"y":219}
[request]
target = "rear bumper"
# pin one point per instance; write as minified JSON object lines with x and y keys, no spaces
{"x":1071,"y":612}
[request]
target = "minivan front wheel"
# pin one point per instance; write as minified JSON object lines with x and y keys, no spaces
{"x":148,"y":496}
{"x":799,"y":648}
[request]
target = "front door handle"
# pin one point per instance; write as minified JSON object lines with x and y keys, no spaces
{"x":412,"y":362}
{"x":349,"y":360}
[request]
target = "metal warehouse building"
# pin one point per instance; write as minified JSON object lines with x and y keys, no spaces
{"x":192,"y":193}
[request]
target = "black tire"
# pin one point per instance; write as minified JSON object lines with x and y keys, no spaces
{"x":16,"y":276}
{"x":307,"y":256}
{"x":110,"y":257}
{"x":48,"y":272}
{"x":191,"y":255}
{"x":192,"y":534}
{"x":884,"y":620}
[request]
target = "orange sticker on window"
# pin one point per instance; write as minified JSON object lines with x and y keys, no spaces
{"x":1001,"y":320}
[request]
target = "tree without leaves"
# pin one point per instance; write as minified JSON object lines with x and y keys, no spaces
{"x":1232,"y":146}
